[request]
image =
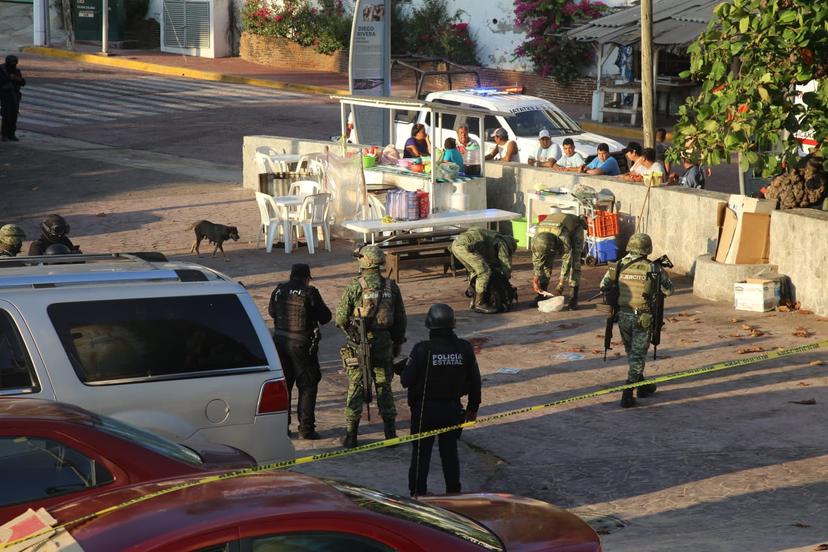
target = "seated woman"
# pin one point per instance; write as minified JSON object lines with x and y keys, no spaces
{"x":451,"y":155}
{"x":418,"y":145}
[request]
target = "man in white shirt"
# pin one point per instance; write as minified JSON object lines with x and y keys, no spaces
{"x":649,"y":166}
{"x":548,"y":152}
{"x":570,"y":161}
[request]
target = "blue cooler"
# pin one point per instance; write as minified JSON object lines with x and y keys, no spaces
{"x":604,"y":250}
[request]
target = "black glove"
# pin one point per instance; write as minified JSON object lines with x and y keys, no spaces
{"x":399,"y":366}
{"x":395,"y":352}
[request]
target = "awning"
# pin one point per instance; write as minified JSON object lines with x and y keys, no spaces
{"x":676,"y":23}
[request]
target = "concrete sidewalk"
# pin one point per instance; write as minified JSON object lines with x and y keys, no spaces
{"x":239,"y":71}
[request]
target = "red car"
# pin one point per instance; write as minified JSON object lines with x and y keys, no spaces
{"x":281,"y":511}
{"x":50,"y":451}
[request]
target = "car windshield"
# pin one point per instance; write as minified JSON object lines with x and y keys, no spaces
{"x":146,"y":439}
{"x":527,"y":124}
{"x":421,"y":513}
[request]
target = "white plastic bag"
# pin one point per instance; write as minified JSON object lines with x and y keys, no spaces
{"x":553,"y":304}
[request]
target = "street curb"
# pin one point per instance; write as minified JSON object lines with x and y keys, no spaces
{"x":173,"y":70}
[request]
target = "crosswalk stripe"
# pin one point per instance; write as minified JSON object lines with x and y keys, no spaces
{"x":56,"y":103}
{"x":93,"y":94}
{"x":62,"y":102}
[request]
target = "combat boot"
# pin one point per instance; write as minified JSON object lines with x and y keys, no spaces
{"x":482,"y":305}
{"x":350,"y":439}
{"x":646,"y":390}
{"x":573,"y":299}
{"x":627,"y":398}
{"x":390,"y":429}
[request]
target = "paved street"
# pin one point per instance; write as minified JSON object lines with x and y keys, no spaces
{"x":731,"y":461}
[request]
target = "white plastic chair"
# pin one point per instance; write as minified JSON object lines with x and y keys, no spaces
{"x":311,"y":216}
{"x":376,"y":210}
{"x":304,"y":188}
{"x":272,"y":222}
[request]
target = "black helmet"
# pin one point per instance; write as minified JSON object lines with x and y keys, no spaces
{"x":11,"y":60}
{"x":440,"y":316}
{"x":57,"y":249}
{"x":54,"y":226}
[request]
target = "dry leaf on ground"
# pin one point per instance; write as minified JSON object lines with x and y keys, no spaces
{"x":746,"y":350}
{"x":816,"y":363}
{"x":683,"y":340}
{"x":803,"y":384}
{"x":577,"y":349}
{"x":802,"y":332}
{"x":568,"y":325}
{"x":735,"y":320}
{"x":806,"y":402}
{"x":597,"y":352}
{"x":747,"y":327}
{"x":673,"y":319}
{"x":783,"y":308}
{"x":756,"y":333}
{"x":805,"y":311}
{"x":684,"y":313}
{"x":822,"y":547}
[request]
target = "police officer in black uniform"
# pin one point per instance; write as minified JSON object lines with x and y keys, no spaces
{"x":298,"y":310}
{"x":438,"y":372}
{"x":53,"y":230}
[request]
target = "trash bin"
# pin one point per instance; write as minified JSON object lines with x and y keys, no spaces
{"x":88,"y":22}
{"x":519,"y":232}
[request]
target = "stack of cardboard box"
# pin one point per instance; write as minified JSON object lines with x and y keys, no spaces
{"x":744,"y":230}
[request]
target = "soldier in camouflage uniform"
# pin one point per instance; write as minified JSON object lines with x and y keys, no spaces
{"x":559,"y":232}
{"x":378,"y":300}
{"x":11,"y":240}
{"x":481,"y":251}
{"x":635,"y":322}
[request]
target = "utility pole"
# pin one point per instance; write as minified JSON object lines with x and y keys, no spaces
{"x":105,"y":29}
{"x":647,"y":73}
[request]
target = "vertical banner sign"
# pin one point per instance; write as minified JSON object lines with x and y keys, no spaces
{"x":369,"y":67}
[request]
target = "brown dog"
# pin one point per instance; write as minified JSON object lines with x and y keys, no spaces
{"x":215,"y":233}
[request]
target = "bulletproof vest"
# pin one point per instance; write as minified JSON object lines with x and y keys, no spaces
{"x":377,"y":305}
{"x":633,"y":285}
{"x":556,"y":222}
{"x":447,"y":377}
{"x":292,"y":302}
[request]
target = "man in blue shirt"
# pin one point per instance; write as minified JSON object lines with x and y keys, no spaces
{"x":603,"y":163}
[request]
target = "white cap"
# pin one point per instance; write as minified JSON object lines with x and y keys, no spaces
{"x":543,"y":134}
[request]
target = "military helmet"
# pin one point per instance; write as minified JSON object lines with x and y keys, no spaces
{"x":54,"y":226}
{"x":12,"y":236}
{"x":371,"y":256}
{"x":640,"y":244}
{"x":11,"y":59}
{"x":440,"y":316}
{"x":546,"y":242}
{"x":57,"y":249}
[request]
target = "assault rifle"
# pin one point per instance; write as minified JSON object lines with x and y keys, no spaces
{"x":655,"y":298}
{"x":358,"y":342}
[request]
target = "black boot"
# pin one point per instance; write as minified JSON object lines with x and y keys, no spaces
{"x":482,"y":305}
{"x":646,"y":390}
{"x":573,"y":299}
{"x":390,"y":428}
{"x":627,"y":399}
{"x":350,"y":439}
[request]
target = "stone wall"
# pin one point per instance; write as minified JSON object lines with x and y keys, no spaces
{"x":281,"y":52}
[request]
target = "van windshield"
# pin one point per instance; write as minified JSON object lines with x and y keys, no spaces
{"x":157,"y":337}
{"x":527,"y":124}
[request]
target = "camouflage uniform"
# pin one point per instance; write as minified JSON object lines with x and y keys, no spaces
{"x":386,"y":332}
{"x":481,"y":251}
{"x":569,"y":229}
{"x":11,"y":240}
{"x":635,"y":322}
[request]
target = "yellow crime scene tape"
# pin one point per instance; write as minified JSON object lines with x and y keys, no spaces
{"x":719,"y":366}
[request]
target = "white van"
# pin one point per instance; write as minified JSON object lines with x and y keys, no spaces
{"x":174,"y":348}
{"x":530,"y":115}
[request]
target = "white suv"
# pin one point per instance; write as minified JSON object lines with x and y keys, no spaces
{"x":529,"y":115}
{"x":175,"y":348}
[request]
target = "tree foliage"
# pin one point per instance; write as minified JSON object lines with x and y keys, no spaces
{"x":749,"y":61}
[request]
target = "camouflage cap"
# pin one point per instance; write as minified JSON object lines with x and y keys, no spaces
{"x":371,"y":256}
{"x":640,"y":244}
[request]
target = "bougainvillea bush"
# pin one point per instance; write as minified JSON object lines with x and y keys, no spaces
{"x":545,"y":22}
{"x":430,"y":30}
{"x":326,"y":28}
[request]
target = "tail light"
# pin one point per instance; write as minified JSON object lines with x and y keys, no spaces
{"x":517,"y":89}
{"x":273,"y":398}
